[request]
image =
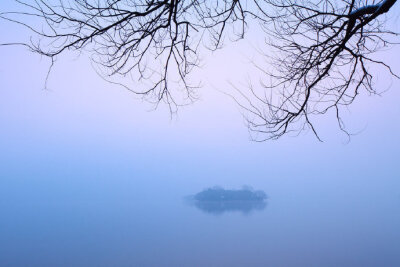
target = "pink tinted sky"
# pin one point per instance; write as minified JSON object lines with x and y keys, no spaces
{"x":80,"y":110}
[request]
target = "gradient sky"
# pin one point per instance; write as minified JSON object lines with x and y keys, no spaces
{"x":85,"y":139}
{"x":82,"y":121}
{"x":81,"y":111}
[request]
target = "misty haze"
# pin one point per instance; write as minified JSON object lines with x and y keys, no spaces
{"x":184,"y":133}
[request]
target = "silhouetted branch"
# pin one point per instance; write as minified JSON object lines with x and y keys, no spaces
{"x":324,"y":49}
{"x":157,"y":42}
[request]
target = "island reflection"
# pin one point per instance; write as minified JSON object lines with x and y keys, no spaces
{"x":217,"y":200}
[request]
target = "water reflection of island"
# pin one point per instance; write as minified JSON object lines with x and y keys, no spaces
{"x":217,"y":200}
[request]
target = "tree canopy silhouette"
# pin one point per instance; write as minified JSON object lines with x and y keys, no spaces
{"x":324,"y":47}
{"x":324,"y":51}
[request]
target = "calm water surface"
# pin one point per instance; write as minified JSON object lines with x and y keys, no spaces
{"x":91,"y":216}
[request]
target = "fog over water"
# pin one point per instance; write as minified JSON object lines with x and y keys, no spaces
{"x":90,"y":177}
{"x":120,"y":215}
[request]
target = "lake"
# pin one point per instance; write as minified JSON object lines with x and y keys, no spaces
{"x":118,"y":215}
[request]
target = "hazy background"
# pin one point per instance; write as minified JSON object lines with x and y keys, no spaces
{"x":90,"y":176}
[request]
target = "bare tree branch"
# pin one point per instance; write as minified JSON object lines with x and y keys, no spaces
{"x":324,"y":51}
{"x":155,"y":41}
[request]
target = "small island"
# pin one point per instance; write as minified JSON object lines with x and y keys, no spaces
{"x":220,"y":194}
{"x":217,"y":200}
